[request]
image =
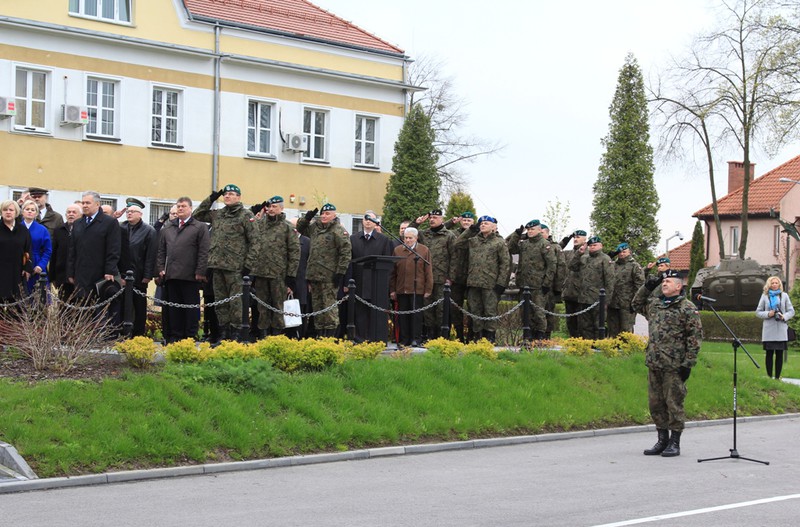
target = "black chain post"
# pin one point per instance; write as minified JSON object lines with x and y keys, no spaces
{"x":527,"y":336}
{"x":445,"y":329}
{"x":244,"y":330}
{"x":351,"y":310}
{"x":601,"y":331}
{"x":127,"y":321}
{"x":41,"y":283}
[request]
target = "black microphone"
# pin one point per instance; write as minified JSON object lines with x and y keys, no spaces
{"x":705,"y":298}
{"x":373,"y":220}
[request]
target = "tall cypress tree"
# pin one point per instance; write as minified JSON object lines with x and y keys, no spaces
{"x":459,"y":203}
{"x":625,"y":198}
{"x":413,"y":188}
{"x":698,"y":255}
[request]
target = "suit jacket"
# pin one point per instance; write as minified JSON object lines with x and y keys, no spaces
{"x":183,"y":253}
{"x":403,"y":274}
{"x":94,"y":251}
{"x":58,"y":261}
{"x":52,"y":219}
{"x":377,"y":245}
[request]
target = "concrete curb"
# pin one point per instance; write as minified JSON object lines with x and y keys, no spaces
{"x":9,"y":457}
{"x":351,"y":455}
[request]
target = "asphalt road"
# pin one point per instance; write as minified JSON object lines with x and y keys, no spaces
{"x":591,"y":481}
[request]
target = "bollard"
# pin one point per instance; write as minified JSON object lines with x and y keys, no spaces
{"x":445,"y":329}
{"x":601,"y":331}
{"x":42,"y":284}
{"x":527,"y":335}
{"x":127,"y":321}
{"x":351,"y":310}
{"x":244,"y":330}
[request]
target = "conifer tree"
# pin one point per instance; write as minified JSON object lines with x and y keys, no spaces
{"x":459,"y":203}
{"x":698,"y":255}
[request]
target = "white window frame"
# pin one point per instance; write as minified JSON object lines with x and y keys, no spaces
{"x":776,"y":249}
{"x":734,"y":240}
{"x":99,"y":109}
{"x":164,"y":141}
{"x":83,"y":8}
{"x":314,"y":136}
{"x":359,"y":158}
{"x":157,"y":208}
{"x":256,"y":129}
{"x":24,"y":103}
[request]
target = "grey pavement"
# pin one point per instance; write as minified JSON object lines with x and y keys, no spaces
{"x":583,"y":479}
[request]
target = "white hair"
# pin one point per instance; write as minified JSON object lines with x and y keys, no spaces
{"x":411,"y":231}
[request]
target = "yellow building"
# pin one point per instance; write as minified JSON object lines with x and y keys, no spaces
{"x":163,"y":98}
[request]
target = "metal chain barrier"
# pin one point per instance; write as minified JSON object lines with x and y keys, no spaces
{"x":567,"y":315}
{"x":20,"y":301}
{"x":167,"y":303}
{"x":478,"y":317}
{"x":303,"y":315}
{"x":407,"y":312}
{"x":87,"y":308}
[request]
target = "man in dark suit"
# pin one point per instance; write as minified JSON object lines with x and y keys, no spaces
{"x":301,"y":286}
{"x":58,"y":261}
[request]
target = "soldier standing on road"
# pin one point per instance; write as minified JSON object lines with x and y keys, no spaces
{"x":596,"y":272}
{"x":570,"y":292}
{"x":459,"y":265}
{"x":675,"y":335}
{"x":488,"y":273}
{"x":275,"y":268}
{"x":440,"y":242}
{"x":628,"y":278}
{"x":536,"y":269}
{"x":328,"y":259}
{"x":232,"y":253}
{"x":558,"y":283}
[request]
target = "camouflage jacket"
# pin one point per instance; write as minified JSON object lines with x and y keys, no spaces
{"x":628,"y":278}
{"x":596,"y":271}
{"x":441,"y":245}
{"x":232,"y":236}
{"x":278,"y":248}
{"x":489,"y":261}
{"x":537,"y":261}
{"x":459,"y":262}
{"x":675,"y":330}
{"x":570,"y":290}
{"x":561,"y":267}
{"x":330,"y":249}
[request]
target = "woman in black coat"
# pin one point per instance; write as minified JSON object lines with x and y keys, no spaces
{"x":15,"y":252}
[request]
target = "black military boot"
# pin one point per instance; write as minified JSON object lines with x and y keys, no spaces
{"x":674,"y":446}
{"x":538,"y":335}
{"x":658,"y":448}
{"x":489,"y":335}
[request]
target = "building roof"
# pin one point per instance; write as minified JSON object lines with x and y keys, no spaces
{"x":296,"y":18}
{"x":766,"y":193}
{"x":680,"y":257}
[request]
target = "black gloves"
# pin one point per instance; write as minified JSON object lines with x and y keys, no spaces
{"x":164,"y":217}
{"x":499,"y":289}
{"x":684,"y":372}
{"x":245,"y":271}
{"x":310,"y":214}
{"x":565,"y":240}
{"x":545,"y":289}
{"x":290,"y":282}
{"x":214,"y":196}
{"x":652,"y":282}
{"x":520,"y":230}
{"x":474,"y":227}
{"x":337,"y":279}
{"x":257,"y":208}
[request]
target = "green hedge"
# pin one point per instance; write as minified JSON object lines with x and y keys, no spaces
{"x":745,"y":324}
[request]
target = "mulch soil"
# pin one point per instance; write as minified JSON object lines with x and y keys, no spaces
{"x":93,"y":367}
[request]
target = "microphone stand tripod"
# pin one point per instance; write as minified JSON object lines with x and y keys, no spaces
{"x":736,"y":343}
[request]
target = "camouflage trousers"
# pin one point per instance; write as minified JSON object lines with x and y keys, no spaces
{"x":538,"y":318}
{"x":619,"y":320}
{"x":458,"y":293}
{"x":433,"y":317}
{"x":571,"y":306}
{"x":588,"y":322}
{"x":666,"y":393}
{"x":482,"y":302}
{"x":273,"y":292}
{"x":553,"y":324}
{"x":227,"y":284}
{"x":323,"y":294}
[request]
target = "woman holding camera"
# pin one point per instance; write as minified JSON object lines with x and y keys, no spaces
{"x":775,"y":309}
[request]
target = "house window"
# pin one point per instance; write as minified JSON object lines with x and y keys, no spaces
{"x":776,"y":245}
{"x":358,"y":225}
{"x":112,"y":202}
{"x":164,"y":129}
{"x":107,"y":10}
{"x":734,"y":241}
{"x":31,"y":99}
{"x":366,"y":140}
{"x":259,"y":128}
{"x":101,"y":101}
{"x":157,"y":209}
{"x":315,"y":128}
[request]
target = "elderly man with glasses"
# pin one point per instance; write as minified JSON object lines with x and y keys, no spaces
{"x":142,"y":250}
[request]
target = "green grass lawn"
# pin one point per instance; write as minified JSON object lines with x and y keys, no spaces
{"x":179,"y":414}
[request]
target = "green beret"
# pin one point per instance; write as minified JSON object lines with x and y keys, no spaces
{"x":622,"y":246}
{"x":662,"y":260}
{"x":275,"y":199}
{"x":543,"y":226}
{"x":594,"y":239}
{"x":435,"y":212}
{"x":672,"y":273}
{"x":579,"y":233}
{"x":468,"y":214}
{"x":232,"y":188}
{"x":532,"y":223}
{"x":328,"y":206}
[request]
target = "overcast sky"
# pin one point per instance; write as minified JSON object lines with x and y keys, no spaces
{"x":539,"y":77}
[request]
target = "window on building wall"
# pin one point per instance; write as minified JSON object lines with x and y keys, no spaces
{"x":776,"y":236}
{"x":157,"y":209}
{"x":366,"y":141}
{"x":112,"y":202}
{"x":315,"y":127}
{"x":734,"y":241}
{"x":101,"y":101}
{"x":30,"y":92}
{"x":358,"y":225}
{"x":164,"y":128}
{"x":108,"y":10}
{"x":259,"y":128}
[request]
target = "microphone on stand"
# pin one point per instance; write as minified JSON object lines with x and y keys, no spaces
{"x":705,"y":299}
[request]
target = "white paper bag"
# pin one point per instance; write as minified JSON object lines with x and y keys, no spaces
{"x":292,"y":305}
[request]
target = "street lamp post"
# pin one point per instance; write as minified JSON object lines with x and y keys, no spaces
{"x":676,"y":235}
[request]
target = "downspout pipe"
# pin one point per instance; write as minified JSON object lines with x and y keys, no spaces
{"x":217,"y":112}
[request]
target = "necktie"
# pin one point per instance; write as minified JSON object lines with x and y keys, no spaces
{"x":88,"y":220}
{"x":181,"y":225}
{"x":366,"y":237}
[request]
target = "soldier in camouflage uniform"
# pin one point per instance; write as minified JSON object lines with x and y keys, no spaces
{"x":459,"y":265}
{"x":675,"y":335}
{"x":328,"y":260}
{"x":488,"y":273}
{"x":232,"y":252}
{"x":570,"y":292}
{"x":441,"y":243}
{"x":629,"y":277}
{"x":554,"y":296}
{"x":278,"y":250}
{"x":662,"y":265}
{"x":596,"y":271}
{"x":536,"y":269}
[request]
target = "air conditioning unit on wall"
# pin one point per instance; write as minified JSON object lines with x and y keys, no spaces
{"x":72,"y":115}
{"x":295,"y":143}
{"x":8,"y":107}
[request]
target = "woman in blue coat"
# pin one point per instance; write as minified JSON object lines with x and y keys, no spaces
{"x":41,"y":246}
{"x":774,"y":309}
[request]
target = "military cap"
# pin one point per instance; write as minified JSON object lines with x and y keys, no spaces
{"x":232,"y":188}
{"x":486,"y":218}
{"x":594,"y":239}
{"x":275,"y":199}
{"x":129,"y":202}
{"x":37,"y":191}
{"x":468,"y":214}
{"x":544,"y":227}
{"x":435,"y":212}
{"x":532,"y":223}
{"x":662,"y":260}
{"x":672,"y":273}
{"x":622,"y":246}
{"x":579,"y":232}
{"x":328,"y":206}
